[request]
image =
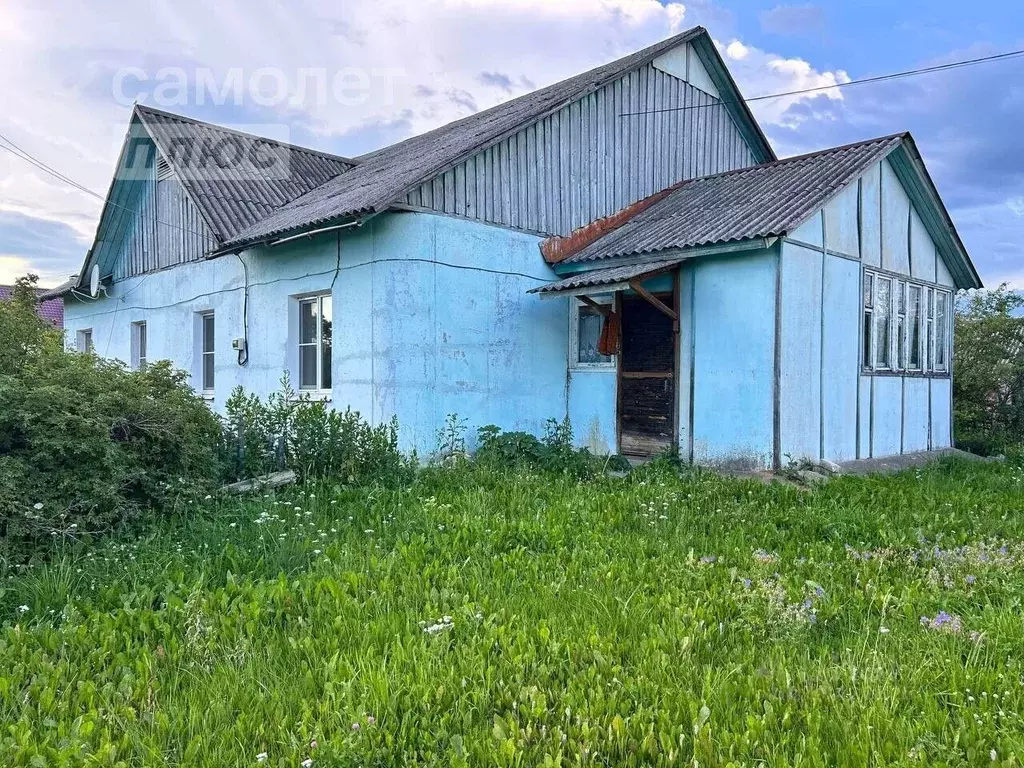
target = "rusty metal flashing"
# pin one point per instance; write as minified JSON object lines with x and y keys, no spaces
{"x":558,"y":248}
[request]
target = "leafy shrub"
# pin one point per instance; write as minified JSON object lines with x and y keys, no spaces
{"x":988,"y":380}
{"x":86,"y":445}
{"x":553,"y":453}
{"x":289,"y":430}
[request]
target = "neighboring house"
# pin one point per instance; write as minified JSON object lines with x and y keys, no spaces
{"x":50,"y":309}
{"x":761,"y":308}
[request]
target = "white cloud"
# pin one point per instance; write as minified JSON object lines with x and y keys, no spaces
{"x":57,"y":66}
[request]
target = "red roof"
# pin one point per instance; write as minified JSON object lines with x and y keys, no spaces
{"x":51,"y":310}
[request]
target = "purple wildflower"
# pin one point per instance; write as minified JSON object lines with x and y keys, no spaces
{"x":970,"y":579}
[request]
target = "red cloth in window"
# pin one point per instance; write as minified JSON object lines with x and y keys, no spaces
{"x":611,"y":335}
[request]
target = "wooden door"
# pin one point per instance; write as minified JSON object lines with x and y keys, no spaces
{"x":647,"y":378}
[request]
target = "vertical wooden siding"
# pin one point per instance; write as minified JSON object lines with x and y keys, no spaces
{"x":587,"y":160}
{"x":166,"y":229}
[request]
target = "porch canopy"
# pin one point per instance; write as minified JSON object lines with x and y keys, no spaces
{"x":603,"y":281}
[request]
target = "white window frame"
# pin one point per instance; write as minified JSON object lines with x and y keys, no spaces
{"x":319,"y":389}
{"x":900,"y":349}
{"x":574,"y":336}
{"x":139,"y":345}
{"x":206,"y":387}
{"x":83,"y":340}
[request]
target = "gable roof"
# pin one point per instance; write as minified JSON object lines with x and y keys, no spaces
{"x":229,"y":195}
{"x":232,"y":195}
{"x":384,"y":176}
{"x":764,"y":201}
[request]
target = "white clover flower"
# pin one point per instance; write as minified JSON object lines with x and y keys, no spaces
{"x":261,"y":757}
{"x":307,"y":762}
{"x":23,"y":609}
{"x":37,"y":506}
{"x":207,"y":497}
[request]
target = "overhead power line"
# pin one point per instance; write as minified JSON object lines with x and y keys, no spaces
{"x":818,"y":88}
{"x":22,"y":154}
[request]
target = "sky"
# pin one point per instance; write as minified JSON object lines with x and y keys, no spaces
{"x":351,"y":77}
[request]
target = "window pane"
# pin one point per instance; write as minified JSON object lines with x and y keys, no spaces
{"x":901,"y":297}
{"x":307,"y":367}
{"x":868,"y":326}
{"x":325,"y":366}
{"x":901,"y":342}
{"x":208,"y":371}
{"x":882,"y":307}
{"x":307,"y":321}
{"x":142,"y":340}
{"x":929,"y":344}
{"x":589,"y":334}
{"x":941,"y":331}
{"x":208,"y":333}
{"x":914,"y":327}
{"x":869,"y":288}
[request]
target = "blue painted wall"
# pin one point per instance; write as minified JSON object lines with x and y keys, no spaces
{"x":420,"y":331}
{"x":827,"y":408}
{"x":801,"y":350}
{"x":733,"y":331}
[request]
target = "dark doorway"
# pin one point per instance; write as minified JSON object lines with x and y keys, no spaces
{"x":647,"y":376}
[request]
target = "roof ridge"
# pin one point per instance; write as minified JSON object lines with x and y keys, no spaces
{"x":141,"y":108}
{"x":805,"y":156}
{"x":671,"y":41}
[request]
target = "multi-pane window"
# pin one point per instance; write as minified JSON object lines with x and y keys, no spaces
{"x":83,"y":340}
{"x":588,"y":324}
{"x":315,"y":332}
{"x":905,"y":326}
{"x":139,"y":345}
{"x":206,"y":353}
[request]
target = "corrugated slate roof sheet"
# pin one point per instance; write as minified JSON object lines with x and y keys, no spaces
{"x":610,"y":276}
{"x":757,"y":202}
{"x":383,"y":176}
{"x":234,"y":195}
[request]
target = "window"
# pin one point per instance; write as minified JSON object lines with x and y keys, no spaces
{"x":941,"y":330}
{"x":906,"y":326}
{"x":587,"y":323}
{"x":914,"y":327}
{"x":139,"y":345}
{"x":901,"y":325}
{"x":869,"y":323}
{"x":315,"y":332}
{"x":883,"y":314}
{"x":206,"y":351}
{"x":929,"y":336}
{"x":83,"y":340}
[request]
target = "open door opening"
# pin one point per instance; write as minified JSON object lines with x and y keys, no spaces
{"x":648,"y":365}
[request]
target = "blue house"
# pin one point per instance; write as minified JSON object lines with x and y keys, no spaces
{"x":622,"y":248}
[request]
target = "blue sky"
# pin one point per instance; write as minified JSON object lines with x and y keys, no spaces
{"x":59,"y":66}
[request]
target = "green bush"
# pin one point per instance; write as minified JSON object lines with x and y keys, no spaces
{"x":552,"y":453}
{"x":289,"y":430}
{"x":86,"y":445}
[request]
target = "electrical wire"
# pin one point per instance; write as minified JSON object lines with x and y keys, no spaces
{"x":331,"y":271}
{"x":22,"y":154}
{"x":861,"y":81}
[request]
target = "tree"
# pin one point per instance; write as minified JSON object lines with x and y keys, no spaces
{"x":988,"y":380}
{"x":22,"y":332}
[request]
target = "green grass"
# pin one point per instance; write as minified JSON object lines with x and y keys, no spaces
{"x":651,"y":620}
